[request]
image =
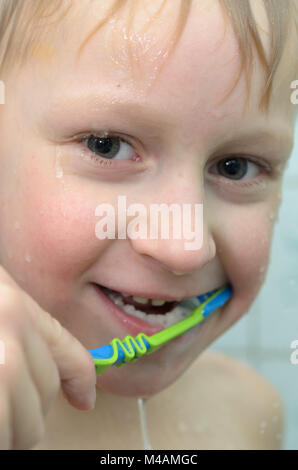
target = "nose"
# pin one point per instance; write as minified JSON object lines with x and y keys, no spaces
{"x":189,"y":249}
{"x":172,"y":255}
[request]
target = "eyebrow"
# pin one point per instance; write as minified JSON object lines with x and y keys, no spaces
{"x":264,"y":134}
{"x":279,"y":140}
{"x":123,"y":107}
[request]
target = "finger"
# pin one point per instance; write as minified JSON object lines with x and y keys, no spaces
{"x":5,"y":419}
{"x":27,"y":420}
{"x":43,"y":369}
{"x":75,"y":364}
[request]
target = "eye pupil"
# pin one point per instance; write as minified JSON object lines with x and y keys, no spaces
{"x":234,"y":168}
{"x":104,"y":145}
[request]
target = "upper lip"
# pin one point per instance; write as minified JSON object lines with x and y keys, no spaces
{"x":153,"y":294}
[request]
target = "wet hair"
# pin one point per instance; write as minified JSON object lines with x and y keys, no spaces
{"x":23,"y":24}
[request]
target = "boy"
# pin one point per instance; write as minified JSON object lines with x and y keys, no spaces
{"x":108,"y":104}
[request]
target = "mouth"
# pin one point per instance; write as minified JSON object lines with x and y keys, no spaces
{"x":153,"y":311}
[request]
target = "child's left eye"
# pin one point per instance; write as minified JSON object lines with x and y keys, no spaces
{"x":236,"y":168}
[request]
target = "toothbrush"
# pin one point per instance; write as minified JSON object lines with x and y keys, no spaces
{"x":119,"y":352}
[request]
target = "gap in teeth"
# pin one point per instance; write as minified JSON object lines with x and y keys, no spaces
{"x":145,"y":301}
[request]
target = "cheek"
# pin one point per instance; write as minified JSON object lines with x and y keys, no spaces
{"x":246,"y":244}
{"x":49,"y":239}
{"x":244,"y":241}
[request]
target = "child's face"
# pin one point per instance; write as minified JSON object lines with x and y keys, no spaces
{"x":49,"y":191}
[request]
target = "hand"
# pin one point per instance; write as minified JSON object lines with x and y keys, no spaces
{"x":40,"y":357}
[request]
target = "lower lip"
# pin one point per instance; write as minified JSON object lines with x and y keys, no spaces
{"x":131,"y":324}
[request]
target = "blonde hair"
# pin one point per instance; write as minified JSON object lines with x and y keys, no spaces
{"x":19,"y":33}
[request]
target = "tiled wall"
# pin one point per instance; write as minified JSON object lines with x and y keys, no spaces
{"x":263,"y":337}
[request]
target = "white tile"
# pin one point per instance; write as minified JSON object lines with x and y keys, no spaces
{"x":279,"y":295}
{"x":284,"y":376}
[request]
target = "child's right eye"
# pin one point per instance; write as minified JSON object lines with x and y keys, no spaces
{"x":108,"y":148}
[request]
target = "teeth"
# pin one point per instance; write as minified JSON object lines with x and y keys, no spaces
{"x":140,"y":300}
{"x":188,"y":303}
{"x":158,"y":302}
{"x":174,"y":316}
{"x":143,"y":300}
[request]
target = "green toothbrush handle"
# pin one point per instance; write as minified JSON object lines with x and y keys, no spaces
{"x":130,"y":349}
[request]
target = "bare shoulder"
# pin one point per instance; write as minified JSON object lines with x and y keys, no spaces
{"x":250,"y":404}
{"x":227,"y":368}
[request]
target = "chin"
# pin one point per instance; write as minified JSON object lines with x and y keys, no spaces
{"x":133,"y":380}
{"x":132,"y":386}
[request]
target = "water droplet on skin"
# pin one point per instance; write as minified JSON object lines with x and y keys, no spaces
{"x":59,"y":170}
{"x":28,"y":258}
{"x":182,"y":427}
{"x":143,"y":423}
{"x":280,"y":168}
{"x":201,"y":427}
{"x":263,"y":424}
{"x":58,"y":166}
{"x":17,"y":224}
{"x":272,"y":215}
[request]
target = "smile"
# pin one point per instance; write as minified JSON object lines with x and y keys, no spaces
{"x":154,"y":311}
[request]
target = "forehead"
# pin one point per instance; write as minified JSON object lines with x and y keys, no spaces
{"x":133,"y":48}
{"x":128,"y":58}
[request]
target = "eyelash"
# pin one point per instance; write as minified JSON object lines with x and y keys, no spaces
{"x":105,"y":162}
{"x":101,"y":160}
